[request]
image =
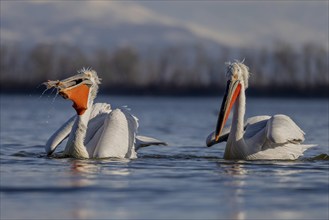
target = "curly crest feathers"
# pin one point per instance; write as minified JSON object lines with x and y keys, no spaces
{"x":92,"y":73}
{"x":240,"y":67}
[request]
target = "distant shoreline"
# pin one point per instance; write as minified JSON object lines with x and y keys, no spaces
{"x":279,"y":92}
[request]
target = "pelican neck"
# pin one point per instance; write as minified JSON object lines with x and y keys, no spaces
{"x":237,"y":129}
{"x":75,"y":146}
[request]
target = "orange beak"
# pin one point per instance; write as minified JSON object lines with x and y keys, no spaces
{"x":232,"y":92}
{"x":79,"y":95}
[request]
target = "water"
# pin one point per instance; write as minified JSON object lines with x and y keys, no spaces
{"x":185,"y":180}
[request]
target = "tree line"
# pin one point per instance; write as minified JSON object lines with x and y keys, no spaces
{"x":170,"y":70}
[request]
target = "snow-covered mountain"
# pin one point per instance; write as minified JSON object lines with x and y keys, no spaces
{"x":108,"y":24}
{"x":95,"y":24}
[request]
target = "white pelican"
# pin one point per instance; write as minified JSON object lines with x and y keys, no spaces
{"x":261,"y":137}
{"x":96,"y":131}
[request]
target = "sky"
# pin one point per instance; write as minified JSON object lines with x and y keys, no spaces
{"x":230,"y":23}
{"x":251,"y":22}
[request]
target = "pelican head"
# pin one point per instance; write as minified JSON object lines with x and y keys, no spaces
{"x":237,"y":75}
{"x":238,"y":71}
{"x":81,"y":88}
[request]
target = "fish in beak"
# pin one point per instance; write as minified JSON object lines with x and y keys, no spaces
{"x":232,"y":91}
{"x":75,"y":88}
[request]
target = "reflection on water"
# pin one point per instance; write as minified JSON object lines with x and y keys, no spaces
{"x":80,"y":171}
{"x":88,"y":169}
{"x":84,"y":166}
{"x":83,"y":174}
{"x":234,"y":169}
{"x":80,"y":210}
{"x":183,"y":181}
{"x":238,"y":173}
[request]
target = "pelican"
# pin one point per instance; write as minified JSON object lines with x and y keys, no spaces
{"x":96,"y":131}
{"x":261,"y":137}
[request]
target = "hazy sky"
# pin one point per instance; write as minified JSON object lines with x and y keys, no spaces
{"x":240,"y":22}
{"x":234,"y":23}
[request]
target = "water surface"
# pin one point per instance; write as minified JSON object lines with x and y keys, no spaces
{"x":185,"y":180}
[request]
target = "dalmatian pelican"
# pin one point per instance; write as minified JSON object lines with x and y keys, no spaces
{"x":96,"y":131}
{"x":261,"y":137}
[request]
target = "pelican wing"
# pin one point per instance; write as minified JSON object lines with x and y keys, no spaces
{"x":252,"y":126}
{"x":94,"y":131}
{"x":280,"y":138}
{"x":117,"y":136}
{"x":281,"y":129}
{"x":96,"y":127}
{"x":97,"y":117}
{"x":143,"y":141}
{"x":61,"y":134}
{"x":100,"y":108}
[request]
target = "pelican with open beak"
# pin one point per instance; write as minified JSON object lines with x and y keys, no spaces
{"x":96,"y":131}
{"x":76,"y":88}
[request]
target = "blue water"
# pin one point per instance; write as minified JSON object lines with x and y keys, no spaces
{"x":184,"y":180}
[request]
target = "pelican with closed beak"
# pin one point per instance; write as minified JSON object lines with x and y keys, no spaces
{"x":261,"y":137}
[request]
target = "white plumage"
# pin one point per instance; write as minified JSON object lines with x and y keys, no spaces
{"x":261,"y":137}
{"x":96,"y":131}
